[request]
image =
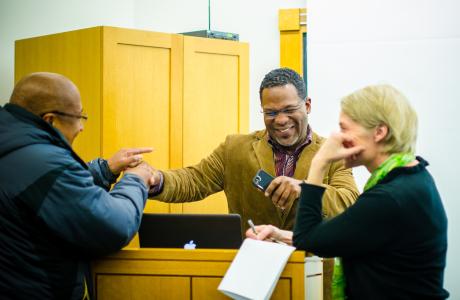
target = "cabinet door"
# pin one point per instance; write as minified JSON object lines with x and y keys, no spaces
{"x":140,"y":73}
{"x":215,"y":103}
{"x":206,"y":288}
{"x":140,"y":287}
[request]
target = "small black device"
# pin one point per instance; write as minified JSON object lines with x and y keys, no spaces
{"x":262,"y":180}
{"x":212,"y":34}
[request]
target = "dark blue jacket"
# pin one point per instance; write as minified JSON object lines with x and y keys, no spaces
{"x":55,"y":211}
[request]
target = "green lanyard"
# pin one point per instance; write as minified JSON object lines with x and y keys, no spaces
{"x":395,"y":160}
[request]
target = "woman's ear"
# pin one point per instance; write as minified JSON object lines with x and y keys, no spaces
{"x":380,"y":132}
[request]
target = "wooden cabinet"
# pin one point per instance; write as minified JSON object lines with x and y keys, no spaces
{"x":181,"y":95}
{"x":181,"y":274}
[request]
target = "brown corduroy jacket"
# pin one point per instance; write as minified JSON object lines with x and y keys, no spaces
{"x":233,"y":164}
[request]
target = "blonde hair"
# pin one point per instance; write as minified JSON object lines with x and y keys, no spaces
{"x":377,"y":105}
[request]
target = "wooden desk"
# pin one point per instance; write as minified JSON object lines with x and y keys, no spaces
{"x":180,"y":274}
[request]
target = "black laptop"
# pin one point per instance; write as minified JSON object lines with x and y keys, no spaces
{"x":190,"y":231}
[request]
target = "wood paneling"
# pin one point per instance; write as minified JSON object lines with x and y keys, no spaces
{"x":215,"y":104}
{"x":121,"y":287}
{"x":292,"y":25}
{"x":132,"y":271}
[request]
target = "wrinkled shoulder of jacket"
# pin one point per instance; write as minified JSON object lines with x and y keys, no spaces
{"x":317,"y":139}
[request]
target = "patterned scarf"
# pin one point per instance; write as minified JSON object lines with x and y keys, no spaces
{"x":395,"y":160}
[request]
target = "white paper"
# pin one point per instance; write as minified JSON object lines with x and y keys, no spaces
{"x":255,"y":270}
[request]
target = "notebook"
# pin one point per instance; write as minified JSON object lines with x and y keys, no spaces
{"x":190,"y":231}
{"x":255,"y":270}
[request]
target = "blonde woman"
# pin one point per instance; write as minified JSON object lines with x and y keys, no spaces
{"x":393,"y":240}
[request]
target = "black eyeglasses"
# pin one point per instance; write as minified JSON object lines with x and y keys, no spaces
{"x":271,"y":114}
{"x":83,"y":117}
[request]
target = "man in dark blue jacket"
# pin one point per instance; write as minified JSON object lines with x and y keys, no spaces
{"x":56,"y":212}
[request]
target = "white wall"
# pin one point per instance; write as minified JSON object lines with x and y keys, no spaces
{"x":412,"y":44}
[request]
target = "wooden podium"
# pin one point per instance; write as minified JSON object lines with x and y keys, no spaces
{"x":180,"y":274}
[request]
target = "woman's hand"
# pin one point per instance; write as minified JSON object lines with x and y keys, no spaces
{"x":270,"y":233}
{"x":338,"y":146}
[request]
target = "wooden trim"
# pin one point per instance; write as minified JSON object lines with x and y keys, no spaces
{"x":292,"y":25}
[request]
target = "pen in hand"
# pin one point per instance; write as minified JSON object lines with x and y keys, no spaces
{"x":252,"y":226}
{"x":255,"y":232}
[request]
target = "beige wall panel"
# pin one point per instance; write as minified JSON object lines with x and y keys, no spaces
{"x":289,"y":19}
{"x":137,"y":96}
{"x":114,"y":287}
{"x":291,"y":50}
{"x":137,"y":115}
{"x":292,"y":25}
{"x":210,"y":107}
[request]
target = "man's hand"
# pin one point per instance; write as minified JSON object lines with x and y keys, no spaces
{"x":145,"y":172}
{"x":126,"y":158}
{"x":283,"y":190}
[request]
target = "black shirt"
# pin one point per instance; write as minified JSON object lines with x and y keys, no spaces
{"x":392,"y":241}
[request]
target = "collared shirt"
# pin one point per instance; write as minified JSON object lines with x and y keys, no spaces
{"x":285,"y":161}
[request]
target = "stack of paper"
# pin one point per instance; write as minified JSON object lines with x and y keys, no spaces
{"x":255,"y":270}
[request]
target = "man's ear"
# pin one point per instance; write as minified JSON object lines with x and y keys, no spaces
{"x":308,"y":104}
{"x":380,"y":132}
{"x":48,"y":118}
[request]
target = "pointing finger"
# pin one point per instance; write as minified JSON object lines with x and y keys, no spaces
{"x":135,"y":151}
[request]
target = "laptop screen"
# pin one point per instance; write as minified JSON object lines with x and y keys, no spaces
{"x":190,"y":231}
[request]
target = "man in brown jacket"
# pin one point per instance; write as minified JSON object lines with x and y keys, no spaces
{"x":284,"y":149}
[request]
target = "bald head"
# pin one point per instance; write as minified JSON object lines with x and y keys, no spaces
{"x":44,"y":92}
